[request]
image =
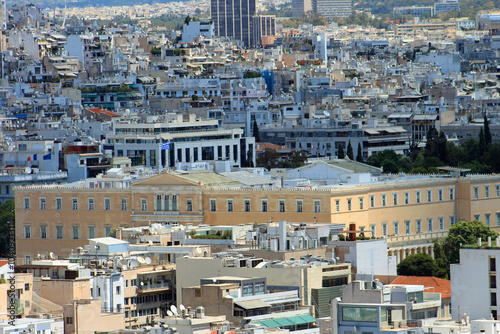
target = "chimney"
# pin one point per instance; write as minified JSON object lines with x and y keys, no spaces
{"x":478,"y":242}
{"x":352,"y":232}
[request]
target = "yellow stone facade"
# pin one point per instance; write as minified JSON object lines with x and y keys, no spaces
{"x":59,"y":218}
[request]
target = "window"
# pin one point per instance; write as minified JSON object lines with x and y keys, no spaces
{"x":487,"y":191}
{"x":452,"y":194}
{"x":118,"y":290}
{"x":440,"y":195}
{"x":107,"y":204}
{"x":69,"y":320}
{"x":299,"y":205}
{"x":487,"y":219}
{"x":476,"y":192}
{"x":493,"y":264}
{"x":493,"y":281}
{"x":407,"y":227}
{"x":282,"y":205}
{"x":407,"y":197}
{"x":264,"y":206}
{"x":497,"y":187}
{"x":317,"y":206}
{"x":76,"y":232}
{"x":337,"y":205}
{"x":247,"y":205}
{"x":493,"y":299}
{"x":452,"y":220}
{"x":91,"y":203}
{"x":477,"y":217}
{"x":27,"y":287}
{"x":384,"y":229}
{"x":174,"y":202}
{"x":74,"y":203}
{"x":396,"y":228}
{"x":348,"y":204}
{"x":372,"y":201}
{"x":123,"y":203}
{"x":395,"y":199}
{"x":166,"y":203}
{"x":498,"y":218}
{"x":91,"y":232}
{"x":43,"y":232}
{"x":213,"y":205}
{"x":58,"y":203}
{"x":361,"y":203}
{"x":419,"y":225}
{"x":429,"y":195}
{"x":42,"y":203}
{"x":59,"y":232}
{"x":373,"y":228}
{"x":229,"y":205}
{"x":417,"y":196}
{"x":189,"y":205}
{"x":27,"y":232}
{"x":107,"y":231}
{"x":26,"y":203}
{"x":441,"y":223}
{"x":384,"y":200}
{"x":429,"y":224}
{"x":144,"y":204}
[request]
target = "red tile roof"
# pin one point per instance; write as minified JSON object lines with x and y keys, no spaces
{"x":260,"y":147}
{"x":431,"y":284}
{"x":3,"y":263}
{"x":103,"y":111}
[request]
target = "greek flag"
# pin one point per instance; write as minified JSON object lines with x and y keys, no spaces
{"x":165,"y":146}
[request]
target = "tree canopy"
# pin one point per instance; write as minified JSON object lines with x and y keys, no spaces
{"x":6,"y":215}
{"x":420,"y":264}
{"x":271,"y":159}
{"x":465,"y":233}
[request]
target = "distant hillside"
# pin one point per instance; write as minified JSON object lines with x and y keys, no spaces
{"x":94,"y":3}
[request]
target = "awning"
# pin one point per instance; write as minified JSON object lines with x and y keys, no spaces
{"x":286,"y":322}
{"x":252,"y":304}
{"x":302,"y":319}
{"x":372,"y":132}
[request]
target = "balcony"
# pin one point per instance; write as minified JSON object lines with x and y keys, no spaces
{"x":143,"y":287}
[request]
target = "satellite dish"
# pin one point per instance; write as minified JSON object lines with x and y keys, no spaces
{"x":38,"y":256}
{"x":28,"y":170}
{"x":132,"y":264}
{"x":52,"y":256}
{"x":182,"y":308}
{"x":198,"y":250}
{"x":170,"y":313}
{"x":148,"y":260}
{"x":174,"y":309}
{"x":141,"y":260}
{"x":150,"y":242}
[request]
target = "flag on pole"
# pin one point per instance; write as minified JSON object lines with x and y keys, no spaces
{"x":32,"y":157}
{"x":165,"y":146}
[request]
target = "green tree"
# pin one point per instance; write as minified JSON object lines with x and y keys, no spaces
{"x":359,"y":156}
{"x":420,"y":264}
{"x":487,"y":132}
{"x":350,"y":152}
{"x":297,"y":159}
{"x":341,"y":154}
{"x":256,"y":132}
{"x":6,"y":215}
{"x":268,"y":159}
{"x":465,"y":233}
{"x":482,"y":143}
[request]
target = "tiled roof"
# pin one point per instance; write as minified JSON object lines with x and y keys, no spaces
{"x":431,"y":284}
{"x":260,"y":147}
{"x":3,"y":263}
{"x":103,"y":111}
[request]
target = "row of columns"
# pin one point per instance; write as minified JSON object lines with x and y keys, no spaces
{"x":402,"y":252}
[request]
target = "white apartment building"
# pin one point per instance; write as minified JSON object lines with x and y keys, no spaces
{"x":474,"y":283}
{"x":190,"y":141}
